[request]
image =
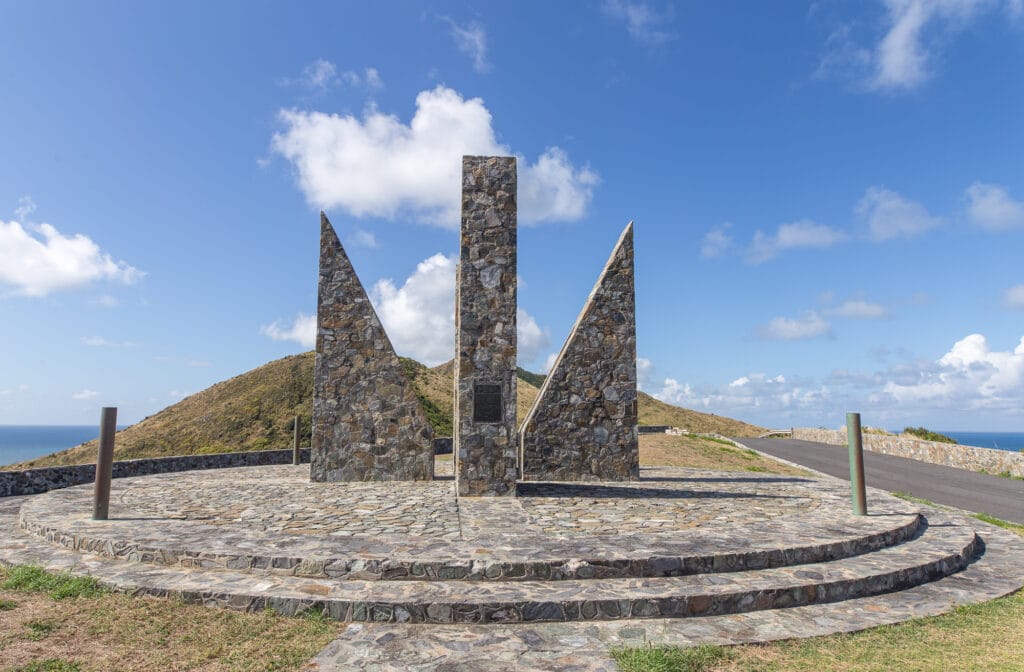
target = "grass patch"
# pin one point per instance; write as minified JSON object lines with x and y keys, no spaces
{"x":112,"y":631}
{"x":999,"y":522}
{"x":7,"y":605}
{"x":670,"y":659}
{"x":975,"y":637}
{"x":32,"y":579}
{"x":50,"y":665}
{"x":40,"y":629}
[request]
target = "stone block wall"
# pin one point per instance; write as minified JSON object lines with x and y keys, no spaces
{"x":368,"y":424}
{"x":35,"y":481}
{"x":583,"y":425}
{"x":485,"y":330}
{"x":971,"y":458}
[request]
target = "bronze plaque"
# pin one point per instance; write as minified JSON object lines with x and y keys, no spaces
{"x":487,"y":403}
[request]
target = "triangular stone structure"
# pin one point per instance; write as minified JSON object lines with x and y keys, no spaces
{"x":583,"y":425}
{"x":368,"y":424}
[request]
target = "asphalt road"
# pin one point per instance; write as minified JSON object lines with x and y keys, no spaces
{"x":996,"y":496}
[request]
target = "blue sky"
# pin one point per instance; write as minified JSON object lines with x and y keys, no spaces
{"x":828,"y":196}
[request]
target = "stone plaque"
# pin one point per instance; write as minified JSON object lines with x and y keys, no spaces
{"x":487,"y":403}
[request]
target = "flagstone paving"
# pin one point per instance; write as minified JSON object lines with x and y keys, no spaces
{"x":544,"y":581}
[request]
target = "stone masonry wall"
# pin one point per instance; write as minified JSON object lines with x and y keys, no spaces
{"x":368,"y":424}
{"x":962,"y":457}
{"x":35,"y":481}
{"x":485,"y":330}
{"x":583,"y":426}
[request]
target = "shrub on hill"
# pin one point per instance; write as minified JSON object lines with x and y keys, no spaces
{"x":928,"y":435}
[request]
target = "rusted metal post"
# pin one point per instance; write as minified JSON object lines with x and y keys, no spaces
{"x":104,"y":464}
{"x":296,"y":451}
{"x":855,"y":441}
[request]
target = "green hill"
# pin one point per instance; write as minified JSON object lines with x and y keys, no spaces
{"x":255,"y":411}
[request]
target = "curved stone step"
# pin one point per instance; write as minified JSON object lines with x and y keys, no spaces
{"x":944,"y":547}
{"x":494,"y":554}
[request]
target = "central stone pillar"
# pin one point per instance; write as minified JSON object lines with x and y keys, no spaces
{"x":485,"y":330}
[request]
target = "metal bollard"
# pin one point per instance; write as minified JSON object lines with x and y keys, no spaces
{"x":855,"y":441}
{"x":296,"y":451}
{"x":104,"y":464}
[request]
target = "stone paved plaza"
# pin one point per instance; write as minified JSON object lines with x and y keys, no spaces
{"x":547,"y":580}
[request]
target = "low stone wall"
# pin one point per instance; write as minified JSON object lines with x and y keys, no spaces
{"x":962,"y":457}
{"x":652,"y":429}
{"x":34,"y":481}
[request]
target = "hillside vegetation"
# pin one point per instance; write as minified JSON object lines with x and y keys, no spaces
{"x":255,"y":411}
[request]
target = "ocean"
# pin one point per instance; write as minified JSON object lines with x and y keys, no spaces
{"x":24,"y":442}
{"x":1013,"y":441}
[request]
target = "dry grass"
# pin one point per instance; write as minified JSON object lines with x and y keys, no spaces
{"x":118,"y":632}
{"x":706,"y":453}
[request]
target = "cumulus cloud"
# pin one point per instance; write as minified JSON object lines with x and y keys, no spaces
{"x":755,"y":395}
{"x":550,"y":362}
{"x":990,"y":206}
{"x":85,"y":395}
{"x":858,"y":309}
{"x":716,"y":241}
{"x":890,"y":215}
{"x":971,"y":375}
{"x":914,"y":33}
{"x":531,"y":339}
{"x":1014,"y":297}
{"x":645,"y":25}
{"x":302,"y":330}
{"x":803,"y":233}
{"x":378,"y":166}
{"x":471,"y":39}
{"x":38,"y":260}
{"x":419,"y":315}
{"x":808,"y":325}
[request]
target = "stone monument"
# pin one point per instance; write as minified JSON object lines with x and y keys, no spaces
{"x":485,"y":442}
{"x":583,"y":425}
{"x":368,"y":424}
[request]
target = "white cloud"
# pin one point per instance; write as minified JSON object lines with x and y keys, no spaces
{"x":319,"y":74}
{"x":808,"y":325}
{"x":890,"y":215}
{"x":419,"y":316}
{"x":37,"y":266}
{"x":716,"y":241}
{"x":914,"y":33}
{"x":1014,"y":297}
{"x":802,"y":233}
{"x":471,"y":40}
{"x":302,"y":330}
{"x":531,"y":339}
{"x":645,"y":374}
{"x":755,"y":393}
{"x":85,"y":395}
{"x":971,"y":375}
{"x":377,"y":166}
{"x":858,"y":309}
{"x":365,"y":238}
{"x":991,"y":207}
{"x":644,"y":24}
{"x":26,"y":206}
{"x":94,"y":341}
{"x":549,"y":362}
